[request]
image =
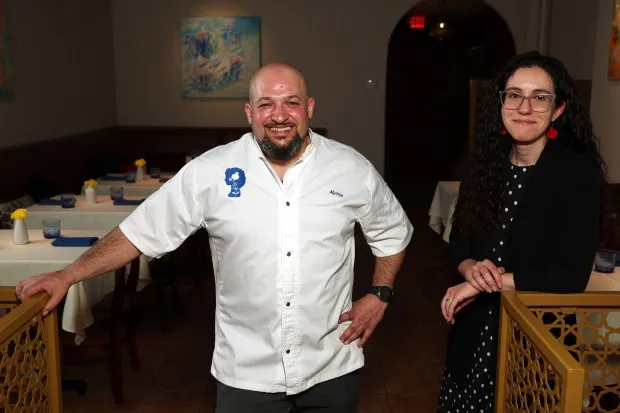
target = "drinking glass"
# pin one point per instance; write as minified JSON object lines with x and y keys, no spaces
{"x":155,"y":172}
{"x":605,"y":261}
{"x":116,"y":193}
{"x":67,"y":200}
{"x":51,"y":228}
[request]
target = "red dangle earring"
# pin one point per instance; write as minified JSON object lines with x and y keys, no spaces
{"x":503,"y":132}
{"x":552,"y":132}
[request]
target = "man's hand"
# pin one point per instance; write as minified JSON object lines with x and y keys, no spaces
{"x":56,"y":284}
{"x":482,"y":275}
{"x":456,"y":298}
{"x":364,"y":315}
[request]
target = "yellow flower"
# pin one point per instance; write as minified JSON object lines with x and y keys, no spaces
{"x":140,"y":162}
{"x":90,"y":182}
{"x":19,"y":213}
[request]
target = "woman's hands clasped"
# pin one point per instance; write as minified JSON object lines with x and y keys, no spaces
{"x":482,"y":275}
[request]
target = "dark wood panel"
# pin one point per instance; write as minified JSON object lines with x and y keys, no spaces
{"x":49,"y":167}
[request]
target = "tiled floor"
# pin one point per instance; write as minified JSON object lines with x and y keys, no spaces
{"x":404,"y":356}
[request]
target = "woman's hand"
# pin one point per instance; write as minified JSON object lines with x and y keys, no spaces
{"x":482,"y":275}
{"x":456,"y":298}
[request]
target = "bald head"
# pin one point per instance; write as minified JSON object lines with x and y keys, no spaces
{"x":279,"y":111}
{"x":274,"y":73}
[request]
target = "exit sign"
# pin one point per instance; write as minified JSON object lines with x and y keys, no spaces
{"x":416,"y":22}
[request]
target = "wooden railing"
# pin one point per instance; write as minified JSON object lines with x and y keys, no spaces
{"x":29,"y":356}
{"x":559,"y":353}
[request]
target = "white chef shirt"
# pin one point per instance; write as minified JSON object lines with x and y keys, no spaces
{"x":283,"y":254}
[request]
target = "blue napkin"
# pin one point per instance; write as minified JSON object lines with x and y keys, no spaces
{"x":128,"y":201}
{"x":49,"y":201}
{"x":113,"y":178}
{"x":74,"y":241}
{"x":162,"y":180}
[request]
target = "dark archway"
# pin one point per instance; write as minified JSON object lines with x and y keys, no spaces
{"x":427,"y":87}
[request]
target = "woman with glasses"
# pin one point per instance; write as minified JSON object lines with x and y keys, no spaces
{"x":527,"y":216}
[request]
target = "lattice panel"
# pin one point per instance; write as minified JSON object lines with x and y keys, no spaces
{"x":23,"y":370}
{"x":593,"y":338}
{"x":531,"y":384}
{"x":6,"y":308}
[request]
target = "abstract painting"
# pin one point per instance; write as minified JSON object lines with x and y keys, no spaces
{"x":219,"y":55}
{"x":6,"y":87}
{"x":614,"y":45}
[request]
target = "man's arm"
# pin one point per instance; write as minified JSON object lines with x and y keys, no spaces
{"x":159,"y":225}
{"x":386,"y":269}
{"x":368,"y":310}
{"x":112,"y":252}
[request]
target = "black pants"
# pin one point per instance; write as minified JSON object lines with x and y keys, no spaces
{"x":338,"y":395}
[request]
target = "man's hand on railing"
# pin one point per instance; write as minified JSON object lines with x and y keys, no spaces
{"x":54,"y":283}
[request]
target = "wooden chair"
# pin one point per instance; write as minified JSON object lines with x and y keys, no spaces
{"x":115,"y":315}
{"x":164,"y":277}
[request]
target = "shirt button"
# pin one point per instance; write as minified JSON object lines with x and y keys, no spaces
{"x":288,"y":203}
{"x":288,"y":254}
{"x":288,"y":304}
{"x":288,"y":351}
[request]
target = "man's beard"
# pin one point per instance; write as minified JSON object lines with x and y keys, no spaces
{"x":281,"y":153}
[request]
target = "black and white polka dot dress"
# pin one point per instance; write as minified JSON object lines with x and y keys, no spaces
{"x":468,"y":382}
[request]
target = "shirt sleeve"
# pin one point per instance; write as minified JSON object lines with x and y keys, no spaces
{"x":383,"y":221}
{"x":459,"y":248}
{"x":166,"y":218}
{"x":568,"y":268}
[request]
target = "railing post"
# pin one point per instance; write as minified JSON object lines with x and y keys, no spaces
{"x":502,"y":361}
{"x":54,"y":382}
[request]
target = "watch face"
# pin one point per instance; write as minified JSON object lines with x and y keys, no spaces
{"x":385,"y":294}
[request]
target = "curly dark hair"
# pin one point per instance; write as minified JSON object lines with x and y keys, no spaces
{"x":481,"y":190}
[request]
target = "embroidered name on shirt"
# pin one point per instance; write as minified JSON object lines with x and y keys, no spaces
{"x":332,"y":192}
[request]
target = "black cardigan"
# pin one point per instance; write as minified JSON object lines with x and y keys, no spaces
{"x":551,"y":246}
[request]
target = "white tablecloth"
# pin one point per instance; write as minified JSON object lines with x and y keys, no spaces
{"x":143,"y":188}
{"x":103,"y":215}
{"x":442,"y":207}
{"x":18,"y":262}
{"x":604,"y":282}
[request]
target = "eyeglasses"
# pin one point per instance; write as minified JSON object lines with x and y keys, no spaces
{"x":512,"y":100}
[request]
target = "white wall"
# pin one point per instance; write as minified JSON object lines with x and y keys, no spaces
{"x":605,"y":109}
{"x":338,"y":44}
{"x":61,"y":53}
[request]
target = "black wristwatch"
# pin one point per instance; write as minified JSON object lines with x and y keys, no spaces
{"x":383,"y":292}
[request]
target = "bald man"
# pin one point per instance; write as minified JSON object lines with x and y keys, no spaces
{"x":280,"y":205}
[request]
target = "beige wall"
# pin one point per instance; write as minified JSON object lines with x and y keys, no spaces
{"x":64,"y":73}
{"x":572,"y":35}
{"x":605,"y":110}
{"x":338,"y":44}
{"x":66,"y":80}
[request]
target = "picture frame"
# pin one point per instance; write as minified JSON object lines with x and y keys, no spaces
{"x":219,"y":55}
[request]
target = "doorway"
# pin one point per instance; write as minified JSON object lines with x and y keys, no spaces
{"x":434,"y":51}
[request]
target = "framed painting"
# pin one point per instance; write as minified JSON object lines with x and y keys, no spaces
{"x":6,"y":84}
{"x":219,"y":55}
{"x":614,"y":45}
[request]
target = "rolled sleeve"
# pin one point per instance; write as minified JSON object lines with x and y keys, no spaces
{"x":385,"y":224}
{"x":166,"y":218}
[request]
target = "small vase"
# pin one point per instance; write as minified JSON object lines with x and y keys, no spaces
{"x":140,"y":173}
{"x":20,"y":233}
{"x":90,"y":195}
